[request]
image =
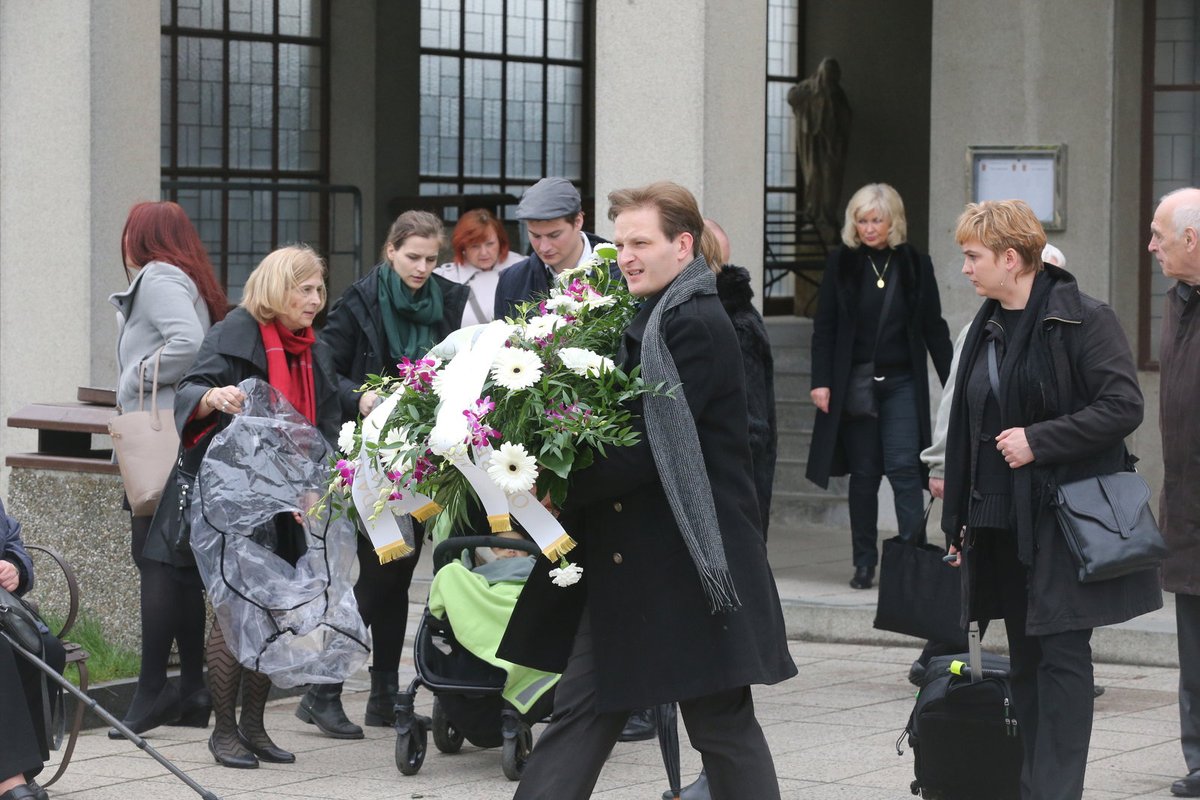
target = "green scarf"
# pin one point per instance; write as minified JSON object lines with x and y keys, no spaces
{"x":408,"y":318}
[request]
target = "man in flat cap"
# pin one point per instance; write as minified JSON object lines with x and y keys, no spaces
{"x":553,"y":217}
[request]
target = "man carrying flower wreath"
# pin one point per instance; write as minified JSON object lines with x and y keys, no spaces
{"x":676,"y":602}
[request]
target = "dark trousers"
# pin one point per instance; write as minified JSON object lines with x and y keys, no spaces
{"x":1187,"y":623}
{"x":1051,"y":679}
{"x":23,"y":745}
{"x":889,"y":444}
{"x":382,"y":595}
{"x":570,"y":753}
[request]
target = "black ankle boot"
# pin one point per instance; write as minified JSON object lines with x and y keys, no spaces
{"x":381,"y":705}
{"x":22,"y":792}
{"x":163,"y":711}
{"x":322,"y":706}
{"x":864,"y":578}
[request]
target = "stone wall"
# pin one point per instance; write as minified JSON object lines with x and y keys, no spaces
{"x":80,"y":516}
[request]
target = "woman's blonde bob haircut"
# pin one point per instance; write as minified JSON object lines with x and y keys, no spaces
{"x":882,"y":199}
{"x":266,"y":292}
{"x":1001,"y":225}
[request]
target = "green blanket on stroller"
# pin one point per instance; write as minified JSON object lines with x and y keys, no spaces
{"x":478,"y":610}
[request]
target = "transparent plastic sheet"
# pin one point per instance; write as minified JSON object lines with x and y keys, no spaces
{"x":297,"y":624}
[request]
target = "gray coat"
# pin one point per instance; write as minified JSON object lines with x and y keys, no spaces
{"x":1179,"y":509}
{"x":162,"y":308}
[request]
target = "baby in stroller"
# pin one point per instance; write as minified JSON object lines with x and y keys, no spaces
{"x":478,"y":697}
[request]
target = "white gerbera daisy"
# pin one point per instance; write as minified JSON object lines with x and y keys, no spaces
{"x":346,"y":438}
{"x":582,"y":361}
{"x":512,"y":468}
{"x":543,"y":326}
{"x":606,"y":251}
{"x":516,"y":368}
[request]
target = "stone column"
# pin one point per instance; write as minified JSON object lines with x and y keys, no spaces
{"x":79,"y":144}
{"x":680,"y":93}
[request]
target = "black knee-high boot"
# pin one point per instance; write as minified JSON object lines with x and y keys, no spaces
{"x":224,"y":680}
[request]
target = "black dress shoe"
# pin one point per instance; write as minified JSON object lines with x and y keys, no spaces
{"x":639,"y":727}
{"x":231,"y":754}
{"x":1187,"y":787}
{"x":697,"y":790}
{"x":164,"y":712}
{"x":272,"y":753}
{"x":864,"y":578}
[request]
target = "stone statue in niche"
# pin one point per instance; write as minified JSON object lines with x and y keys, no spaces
{"x":822,"y":138}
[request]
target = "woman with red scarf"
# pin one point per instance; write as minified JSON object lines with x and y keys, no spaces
{"x":269,"y":336}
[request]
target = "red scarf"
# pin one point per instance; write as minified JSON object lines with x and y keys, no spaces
{"x":293,"y":376}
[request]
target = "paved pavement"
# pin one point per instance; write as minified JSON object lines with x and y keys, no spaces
{"x":832,"y":729}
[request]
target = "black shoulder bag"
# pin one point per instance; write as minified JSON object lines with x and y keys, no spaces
{"x":1106,"y":519}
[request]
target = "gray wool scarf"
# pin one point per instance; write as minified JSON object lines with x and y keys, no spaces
{"x":675,"y":444}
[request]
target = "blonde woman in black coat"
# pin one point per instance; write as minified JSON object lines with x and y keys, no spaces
{"x":1068,"y":396}
{"x":848,"y":332}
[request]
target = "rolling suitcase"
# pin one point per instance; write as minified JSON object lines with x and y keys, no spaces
{"x":963,"y":733}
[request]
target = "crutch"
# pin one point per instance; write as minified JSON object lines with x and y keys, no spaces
{"x":109,"y":718}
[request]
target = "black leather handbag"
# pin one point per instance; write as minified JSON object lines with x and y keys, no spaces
{"x":862,"y":398}
{"x":20,"y":623}
{"x":1108,"y":526}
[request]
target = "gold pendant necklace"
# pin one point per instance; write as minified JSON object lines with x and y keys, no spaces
{"x":879,"y":275}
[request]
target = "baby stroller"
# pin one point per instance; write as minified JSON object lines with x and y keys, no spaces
{"x":469,"y":702}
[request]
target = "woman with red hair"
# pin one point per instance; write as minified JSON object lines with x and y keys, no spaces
{"x":172,"y":300}
{"x":480,"y":254}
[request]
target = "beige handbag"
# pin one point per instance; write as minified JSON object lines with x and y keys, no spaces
{"x":146,"y":444}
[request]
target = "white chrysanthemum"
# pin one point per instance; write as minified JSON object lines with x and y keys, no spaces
{"x":543,"y":326}
{"x":582,"y":361}
{"x":516,"y":368}
{"x":562,"y":304}
{"x":391,"y":451}
{"x":512,"y":468}
{"x":346,"y":438}
{"x":566,"y":576}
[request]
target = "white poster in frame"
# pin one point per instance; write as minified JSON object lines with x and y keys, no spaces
{"x":1033,"y":173}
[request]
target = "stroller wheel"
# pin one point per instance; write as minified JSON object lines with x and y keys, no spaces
{"x":446,"y":737}
{"x":410,"y":750}
{"x":516,"y":752}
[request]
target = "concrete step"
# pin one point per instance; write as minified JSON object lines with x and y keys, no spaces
{"x":792,"y":385}
{"x":789,"y":330}
{"x":789,"y":477}
{"x":794,"y":414}
{"x":792,"y":359}
{"x":808,"y":507}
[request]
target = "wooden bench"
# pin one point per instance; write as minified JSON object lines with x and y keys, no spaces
{"x":65,"y":433}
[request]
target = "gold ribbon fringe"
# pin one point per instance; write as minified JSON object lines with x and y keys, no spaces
{"x":426,"y":511}
{"x":391,"y":552}
{"x":501,"y":523}
{"x":559,"y":547}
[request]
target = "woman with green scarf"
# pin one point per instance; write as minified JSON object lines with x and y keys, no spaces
{"x":400,"y":309}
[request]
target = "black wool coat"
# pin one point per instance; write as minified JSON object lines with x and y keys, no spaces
{"x":833,"y":345}
{"x":232,"y":351}
{"x":1179,"y":504}
{"x":758,"y":364}
{"x":655,"y":638}
{"x":526,"y":280}
{"x":356,"y":340}
{"x":1073,"y":386}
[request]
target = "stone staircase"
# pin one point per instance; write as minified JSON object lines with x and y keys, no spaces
{"x":798,"y":503}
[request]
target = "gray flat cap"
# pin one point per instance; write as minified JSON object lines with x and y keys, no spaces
{"x":549,"y":198}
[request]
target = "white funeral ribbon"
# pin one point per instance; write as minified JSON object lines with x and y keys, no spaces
{"x":389,"y":528}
